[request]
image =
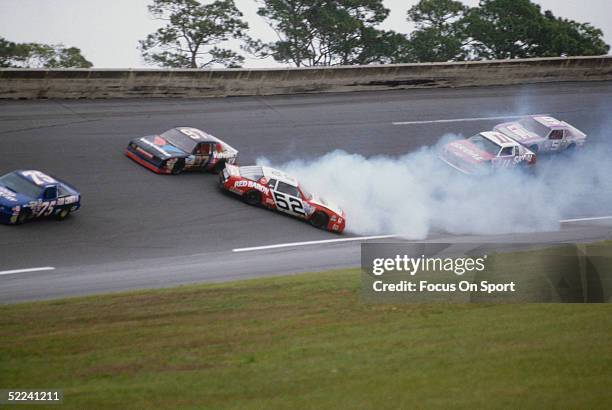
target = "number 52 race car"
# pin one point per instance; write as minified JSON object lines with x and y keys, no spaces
{"x":32,"y":194}
{"x":276,"y":190}
{"x":181,"y":149}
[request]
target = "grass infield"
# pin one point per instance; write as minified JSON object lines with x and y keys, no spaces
{"x":304,"y":341}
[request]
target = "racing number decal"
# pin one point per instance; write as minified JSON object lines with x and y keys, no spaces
{"x":45,"y":209}
{"x":288,"y":203}
{"x":39,"y":178}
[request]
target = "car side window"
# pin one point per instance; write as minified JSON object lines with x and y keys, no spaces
{"x":555,"y":135}
{"x":61,"y":191}
{"x":202,"y":149}
{"x":287,"y":189}
{"x":50,"y":193}
{"x":272,"y":183}
{"x":507,"y":151}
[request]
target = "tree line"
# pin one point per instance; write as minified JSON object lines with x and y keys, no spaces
{"x":341,"y":32}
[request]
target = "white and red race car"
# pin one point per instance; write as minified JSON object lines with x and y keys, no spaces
{"x":259,"y":185}
{"x":485,"y":152}
{"x":542,"y":133}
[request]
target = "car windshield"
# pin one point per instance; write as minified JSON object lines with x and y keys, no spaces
{"x":484,"y":144}
{"x":20,"y":185}
{"x":534,"y":126}
{"x":179,"y":140}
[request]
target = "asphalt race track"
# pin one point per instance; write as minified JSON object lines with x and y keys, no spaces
{"x":137,"y":229}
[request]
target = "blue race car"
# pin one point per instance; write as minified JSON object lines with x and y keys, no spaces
{"x":33,"y":194}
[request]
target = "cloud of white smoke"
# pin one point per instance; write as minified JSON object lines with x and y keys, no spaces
{"x":417,"y":193}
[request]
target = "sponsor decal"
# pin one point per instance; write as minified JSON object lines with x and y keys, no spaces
{"x":224,"y":155}
{"x":251,"y":184}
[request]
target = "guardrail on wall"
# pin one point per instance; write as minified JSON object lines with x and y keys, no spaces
{"x":126,"y":83}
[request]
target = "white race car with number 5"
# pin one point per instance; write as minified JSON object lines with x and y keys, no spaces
{"x":274,"y":189}
{"x":542,"y":134}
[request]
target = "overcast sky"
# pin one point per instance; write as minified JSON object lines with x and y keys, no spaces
{"x":107,"y":31}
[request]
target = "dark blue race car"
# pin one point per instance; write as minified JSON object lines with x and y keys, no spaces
{"x":33,"y":194}
{"x":181,"y":149}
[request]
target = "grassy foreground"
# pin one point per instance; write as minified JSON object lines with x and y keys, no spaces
{"x":305,"y":341}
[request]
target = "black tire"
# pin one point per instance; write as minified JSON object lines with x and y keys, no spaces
{"x":63,"y":214}
{"x":534,"y":149}
{"x":570,"y":148}
{"x":22,"y":218}
{"x":178,"y":167}
{"x":319,"y":220}
{"x":252,"y":197}
{"x":219,"y":167}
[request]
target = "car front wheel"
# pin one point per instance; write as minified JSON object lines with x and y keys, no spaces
{"x":319,"y":220}
{"x":252,"y":197}
{"x":21,"y":218}
{"x":178,"y":167}
{"x":63,"y":214}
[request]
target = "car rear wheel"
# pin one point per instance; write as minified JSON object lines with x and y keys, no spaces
{"x":252,"y":197}
{"x":63,"y":214}
{"x":319,"y":220}
{"x":178,"y":167}
{"x":22,"y":217}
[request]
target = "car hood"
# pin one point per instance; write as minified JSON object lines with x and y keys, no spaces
{"x":467,"y":152}
{"x":465,"y":157}
{"x":9,"y":198}
{"x":317,"y":200}
{"x":517,"y":132}
{"x":159,"y":147}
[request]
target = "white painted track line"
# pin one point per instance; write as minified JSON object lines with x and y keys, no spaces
{"x":295,"y":244}
{"x":365,"y":238}
{"x":501,"y":117}
{"x":595,"y":218}
{"x":11,"y":272}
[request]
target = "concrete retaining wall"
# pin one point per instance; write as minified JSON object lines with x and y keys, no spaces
{"x":121,"y":83}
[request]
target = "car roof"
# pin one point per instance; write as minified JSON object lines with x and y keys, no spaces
{"x":548,"y":121}
{"x":499,"y":139}
{"x":38,"y":178}
{"x":197,"y":135}
{"x":272,"y":173}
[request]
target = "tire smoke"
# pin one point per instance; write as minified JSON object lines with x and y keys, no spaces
{"x":417,"y":193}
